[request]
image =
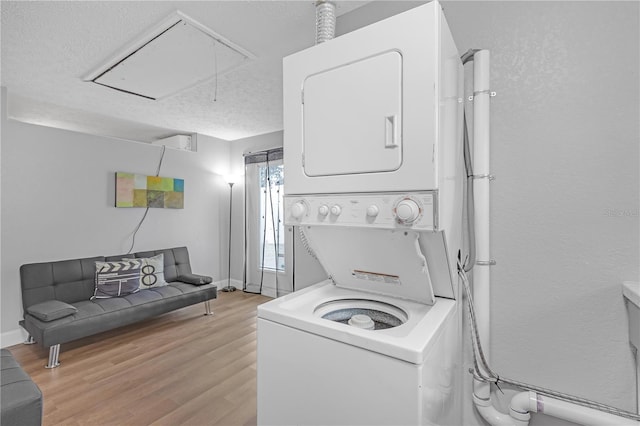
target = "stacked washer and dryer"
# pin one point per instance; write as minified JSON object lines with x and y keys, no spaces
{"x":374,"y":180}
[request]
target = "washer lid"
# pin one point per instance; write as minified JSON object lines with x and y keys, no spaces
{"x":381,"y":261}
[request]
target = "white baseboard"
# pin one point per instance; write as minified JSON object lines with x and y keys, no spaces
{"x":13,"y":337}
{"x":267,"y":291}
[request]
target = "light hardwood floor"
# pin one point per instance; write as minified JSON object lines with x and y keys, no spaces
{"x":179,"y":368}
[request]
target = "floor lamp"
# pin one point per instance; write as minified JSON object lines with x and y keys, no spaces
{"x":230,"y":179}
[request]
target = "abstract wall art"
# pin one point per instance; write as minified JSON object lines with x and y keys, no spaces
{"x":133,"y":190}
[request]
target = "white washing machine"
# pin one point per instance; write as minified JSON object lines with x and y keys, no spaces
{"x":379,"y":342}
{"x":316,"y":369}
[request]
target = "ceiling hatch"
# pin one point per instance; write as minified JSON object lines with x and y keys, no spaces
{"x":177,"y":54}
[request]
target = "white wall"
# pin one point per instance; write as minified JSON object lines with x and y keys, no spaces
{"x":565,"y":204}
{"x":58,"y":190}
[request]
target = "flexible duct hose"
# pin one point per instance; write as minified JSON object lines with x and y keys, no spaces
{"x":325,"y":21}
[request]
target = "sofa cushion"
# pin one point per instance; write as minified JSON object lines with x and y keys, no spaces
{"x":51,"y":310}
{"x":114,"y":279}
{"x":151,"y":271}
{"x":101,"y":315}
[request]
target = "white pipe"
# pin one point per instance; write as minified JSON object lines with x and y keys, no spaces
{"x":524,"y":402}
{"x":495,"y":418}
{"x":481,"y":151}
{"x":571,"y":412}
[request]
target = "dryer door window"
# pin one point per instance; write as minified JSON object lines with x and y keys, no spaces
{"x":352,"y":117}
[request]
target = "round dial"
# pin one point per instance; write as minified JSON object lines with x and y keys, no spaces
{"x":373,"y":210}
{"x":298,"y":209}
{"x":407,"y":211}
{"x":323,"y":210}
{"x":336,"y":210}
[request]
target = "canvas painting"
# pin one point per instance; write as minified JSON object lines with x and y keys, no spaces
{"x":133,"y":190}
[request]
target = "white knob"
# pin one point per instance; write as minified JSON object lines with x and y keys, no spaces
{"x":407,"y":211}
{"x":336,"y":210}
{"x":298,"y":210}
{"x":323,"y":210}
{"x":372,"y":210}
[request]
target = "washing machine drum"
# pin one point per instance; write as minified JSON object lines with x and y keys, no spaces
{"x":362,"y":313}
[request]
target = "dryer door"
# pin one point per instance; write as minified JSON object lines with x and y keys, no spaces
{"x":352,"y":117}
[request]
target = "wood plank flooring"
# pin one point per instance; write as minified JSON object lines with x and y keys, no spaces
{"x":181,"y":368}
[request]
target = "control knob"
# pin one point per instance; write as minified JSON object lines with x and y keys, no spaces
{"x":298,"y":209}
{"x":373,"y":210}
{"x":323,"y":210}
{"x":407,"y":211}
{"x":336,"y":210}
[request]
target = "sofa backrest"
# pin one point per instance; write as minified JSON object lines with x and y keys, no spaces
{"x":66,"y":280}
{"x":176,"y":262}
{"x":74,"y":280}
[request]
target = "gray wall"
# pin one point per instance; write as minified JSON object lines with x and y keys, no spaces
{"x":58,"y":197}
{"x":565,"y":204}
{"x":565,"y":150}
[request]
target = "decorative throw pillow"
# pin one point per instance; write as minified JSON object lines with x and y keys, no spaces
{"x":51,"y":310}
{"x":115,"y":279}
{"x":195,"y":279}
{"x":151,"y":271}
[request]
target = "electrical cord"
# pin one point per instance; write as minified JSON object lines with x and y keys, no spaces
{"x":144,"y":216}
{"x":471,"y":257}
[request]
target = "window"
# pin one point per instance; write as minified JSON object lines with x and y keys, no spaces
{"x":271,"y":247}
{"x":268,"y":265}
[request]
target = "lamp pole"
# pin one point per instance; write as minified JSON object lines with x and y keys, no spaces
{"x":229,"y":288}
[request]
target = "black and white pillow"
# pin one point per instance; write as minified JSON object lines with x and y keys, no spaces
{"x":115,"y":279}
{"x":151,"y":271}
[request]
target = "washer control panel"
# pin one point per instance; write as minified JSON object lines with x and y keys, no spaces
{"x":415,"y":210}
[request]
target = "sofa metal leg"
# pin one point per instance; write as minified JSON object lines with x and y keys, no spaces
{"x":54,"y":353}
{"x":207,"y":307}
{"x":30,"y":341}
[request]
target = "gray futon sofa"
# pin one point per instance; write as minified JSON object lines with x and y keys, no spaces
{"x":59,"y":303}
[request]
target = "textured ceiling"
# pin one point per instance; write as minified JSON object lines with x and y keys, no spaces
{"x":49,"y":46}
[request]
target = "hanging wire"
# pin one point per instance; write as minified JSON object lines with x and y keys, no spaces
{"x":144,"y":216}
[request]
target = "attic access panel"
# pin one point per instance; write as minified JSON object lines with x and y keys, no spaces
{"x":177,"y":54}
